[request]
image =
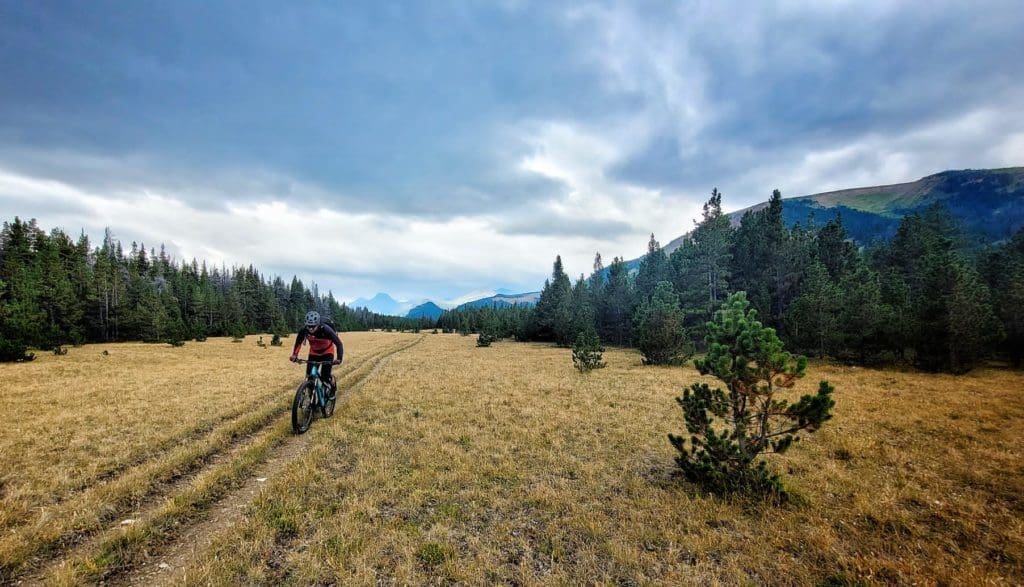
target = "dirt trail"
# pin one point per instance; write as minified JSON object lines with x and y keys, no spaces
{"x":166,"y":562}
{"x":167,"y":565}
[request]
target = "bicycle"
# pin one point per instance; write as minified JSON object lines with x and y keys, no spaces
{"x":310,"y":396}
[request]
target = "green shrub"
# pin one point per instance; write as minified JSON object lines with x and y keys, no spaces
{"x":12,"y":351}
{"x":276,"y":340}
{"x":60,"y":350}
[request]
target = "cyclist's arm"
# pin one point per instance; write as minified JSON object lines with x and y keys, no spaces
{"x":298,"y":341}
{"x":337,"y":342}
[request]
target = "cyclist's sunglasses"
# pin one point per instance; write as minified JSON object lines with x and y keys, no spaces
{"x":311,"y":328}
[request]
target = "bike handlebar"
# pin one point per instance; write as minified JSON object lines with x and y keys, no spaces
{"x":301,"y":361}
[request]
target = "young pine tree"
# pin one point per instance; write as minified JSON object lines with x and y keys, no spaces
{"x":729,"y":429}
{"x":586,"y":352}
{"x":659,"y":328}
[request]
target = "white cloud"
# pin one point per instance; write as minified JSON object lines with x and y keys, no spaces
{"x":582,"y":158}
{"x":977,"y":139}
{"x":352,"y":254}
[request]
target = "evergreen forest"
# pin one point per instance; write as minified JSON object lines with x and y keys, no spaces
{"x":926,"y":297}
{"x":55,"y":290}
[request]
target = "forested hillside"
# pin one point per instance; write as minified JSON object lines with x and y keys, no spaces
{"x":988,"y":205}
{"x":925,"y":297}
{"x":56,"y":290}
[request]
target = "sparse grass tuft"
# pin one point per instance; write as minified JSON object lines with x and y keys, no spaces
{"x":431,"y":554}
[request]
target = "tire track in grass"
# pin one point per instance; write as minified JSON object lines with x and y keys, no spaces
{"x":81,"y":516}
{"x":278,"y":570}
{"x":174,"y":527}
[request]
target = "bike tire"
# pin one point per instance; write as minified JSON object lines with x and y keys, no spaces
{"x":327,"y":410}
{"x":303,"y":407}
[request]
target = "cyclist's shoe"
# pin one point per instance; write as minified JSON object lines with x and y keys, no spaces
{"x":332,"y":391}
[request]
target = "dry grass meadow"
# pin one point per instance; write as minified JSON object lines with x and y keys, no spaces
{"x":447,"y":463}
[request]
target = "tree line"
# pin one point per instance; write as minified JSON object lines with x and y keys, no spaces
{"x":924,"y":297}
{"x":55,"y":290}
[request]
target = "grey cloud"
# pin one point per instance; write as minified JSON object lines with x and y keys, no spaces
{"x":780,"y":85}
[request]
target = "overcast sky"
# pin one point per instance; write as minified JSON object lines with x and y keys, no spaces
{"x":427,"y":149}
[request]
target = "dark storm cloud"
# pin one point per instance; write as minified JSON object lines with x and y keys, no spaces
{"x":390,"y":107}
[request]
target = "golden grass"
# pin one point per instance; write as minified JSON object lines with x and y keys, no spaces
{"x":503,"y":464}
{"x":108,"y":444}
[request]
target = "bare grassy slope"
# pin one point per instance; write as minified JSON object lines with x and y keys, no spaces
{"x":504,"y":464}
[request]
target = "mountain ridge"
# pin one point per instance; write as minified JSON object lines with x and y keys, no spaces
{"x":872,"y":212}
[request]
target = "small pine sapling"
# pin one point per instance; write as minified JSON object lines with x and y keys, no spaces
{"x":586,"y":352}
{"x":276,"y":340}
{"x":730,"y":428}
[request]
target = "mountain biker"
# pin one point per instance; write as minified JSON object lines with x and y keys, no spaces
{"x":322,"y":342}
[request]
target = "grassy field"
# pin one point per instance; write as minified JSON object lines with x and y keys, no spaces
{"x":451,"y":463}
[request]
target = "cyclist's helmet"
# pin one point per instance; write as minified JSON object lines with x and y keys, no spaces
{"x":312,"y":319}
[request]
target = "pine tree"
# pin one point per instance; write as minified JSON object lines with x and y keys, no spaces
{"x":863,"y":317}
{"x":750,"y":360}
{"x":654,"y":268}
{"x":834,"y":249}
{"x":615,"y":310}
{"x":1003,"y":271}
{"x":587,"y":351}
{"x":659,"y":328}
{"x":973,"y":326}
{"x":812,"y":318}
{"x":702,"y":266}
{"x":582,"y":312}
{"x":553,"y":314}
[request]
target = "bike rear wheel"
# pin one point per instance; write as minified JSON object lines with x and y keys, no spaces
{"x":303,"y":407}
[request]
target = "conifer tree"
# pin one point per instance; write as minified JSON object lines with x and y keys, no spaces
{"x":654,"y":268}
{"x":863,"y":317}
{"x":659,"y":328}
{"x":615,"y":310}
{"x":553,"y":314}
{"x":973,"y":326}
{"x":729,"y":429}
{"x":812,"y":318}
{"x":582,"y":311}
{"x":587,"y":351}
{"x":702,"y":266}
{"x":834,"y":249}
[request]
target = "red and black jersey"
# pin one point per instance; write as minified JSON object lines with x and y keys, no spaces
{"x":322,"y":341}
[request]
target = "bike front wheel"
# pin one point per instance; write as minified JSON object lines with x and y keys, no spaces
{"x":303,"y":407}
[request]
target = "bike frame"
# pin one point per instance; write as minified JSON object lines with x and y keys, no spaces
{"x":318,"y":385}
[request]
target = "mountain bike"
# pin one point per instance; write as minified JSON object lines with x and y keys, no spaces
{"x":312,"y":395}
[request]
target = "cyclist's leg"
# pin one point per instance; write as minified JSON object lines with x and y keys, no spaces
{"x":325,"y":367}
{"x":325,"y":374}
